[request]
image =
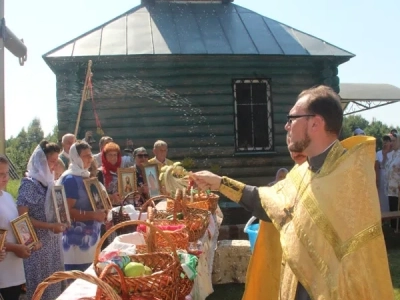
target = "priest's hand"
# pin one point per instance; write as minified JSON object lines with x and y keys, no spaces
{"x":206,"y":180}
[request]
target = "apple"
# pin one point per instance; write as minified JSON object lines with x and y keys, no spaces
{"x":134,"y":269}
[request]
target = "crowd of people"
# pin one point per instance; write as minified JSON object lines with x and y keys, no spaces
{"x":320,"y":235}
{"x":63,"y":246}
{"x":387,"y":170}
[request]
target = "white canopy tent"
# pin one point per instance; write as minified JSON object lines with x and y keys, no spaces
{"x":358,"y":97}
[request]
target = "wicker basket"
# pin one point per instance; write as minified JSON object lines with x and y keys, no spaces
{"x":210,"y":202}
{"x":120,"y":216}
{"x":179,"y":237}
{"x":162,"y":284}
{"x":196,"y":220}
{"x":104,"y":291}
{"x":185,"y":285}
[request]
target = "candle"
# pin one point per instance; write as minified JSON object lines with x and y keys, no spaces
{"x":191,"y":194}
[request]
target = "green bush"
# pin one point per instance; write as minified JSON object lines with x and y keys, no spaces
{"x":12,"y":187}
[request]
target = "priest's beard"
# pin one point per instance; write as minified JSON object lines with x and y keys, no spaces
{"x":302,"y":145}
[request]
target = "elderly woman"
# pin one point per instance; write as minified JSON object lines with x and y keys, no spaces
{"x":393,"y":178}
{"x":141,"y":159}
{"x":107,"y":175}
{"x":80,"y":240}
{"x":34,"y":198}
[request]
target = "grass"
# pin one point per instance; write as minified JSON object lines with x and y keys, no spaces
{"x":394,"y":260}
{"x":235,"y":291}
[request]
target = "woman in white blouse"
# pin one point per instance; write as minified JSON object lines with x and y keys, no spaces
{"x":393,"y":178}
{"x":382,"y":157}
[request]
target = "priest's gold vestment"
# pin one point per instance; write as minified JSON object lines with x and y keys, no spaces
{"x":329,"y":224}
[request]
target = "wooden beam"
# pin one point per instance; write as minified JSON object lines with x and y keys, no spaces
{"x":391,"y":215}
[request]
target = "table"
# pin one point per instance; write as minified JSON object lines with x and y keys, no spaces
{"x":81,"y":289}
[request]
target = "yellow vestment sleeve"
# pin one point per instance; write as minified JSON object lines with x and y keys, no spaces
{"x":231,"y":188}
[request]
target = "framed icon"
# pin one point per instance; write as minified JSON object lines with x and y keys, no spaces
{"x":127,"y":181}
{"x":24,"y":231}
{"x":60,"y":204}
{"x":3,"y":234}
{"x":151,"y":177}
{"x":97,"y":197}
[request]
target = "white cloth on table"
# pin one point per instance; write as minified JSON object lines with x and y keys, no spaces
{"x":202,"y":284}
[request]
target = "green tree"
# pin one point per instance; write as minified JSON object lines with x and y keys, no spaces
{"x":20,"y":148}
{"x":377,"y":129}
{"x":53,"y":136}
{"x":34,"y":133}
{"x":350,"y":123}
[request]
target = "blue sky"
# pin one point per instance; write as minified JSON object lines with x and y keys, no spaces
{"x":364,"y":27}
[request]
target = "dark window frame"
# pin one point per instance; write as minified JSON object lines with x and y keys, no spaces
{"x":251,"y":149}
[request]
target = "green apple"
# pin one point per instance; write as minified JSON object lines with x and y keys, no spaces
{"x":134,"y":269}
{"x":147,"y":270}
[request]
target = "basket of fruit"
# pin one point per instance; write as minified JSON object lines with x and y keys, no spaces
{"x":104,"y":291}
{"x":196,"y":220}
{"x":175,"y":228}
{"x":152,"y":274}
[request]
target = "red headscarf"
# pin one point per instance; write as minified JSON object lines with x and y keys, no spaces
{"x":108,"y":167}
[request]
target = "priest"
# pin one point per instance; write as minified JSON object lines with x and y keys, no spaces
{"x":267,"y":256}
{"x":326,"y":210}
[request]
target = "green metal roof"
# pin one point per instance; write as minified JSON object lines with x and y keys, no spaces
{"x":195,"y":28}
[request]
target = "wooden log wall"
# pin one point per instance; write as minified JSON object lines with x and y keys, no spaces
{"x":190,"y":105}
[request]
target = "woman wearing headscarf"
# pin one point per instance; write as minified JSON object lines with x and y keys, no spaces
{"x":80,"y":240}
{"x":107,"y":175}
{"x":280,"y":175}
{"x":34,"y":198}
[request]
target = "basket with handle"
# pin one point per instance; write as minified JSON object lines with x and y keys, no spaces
{"x":104,"y":291}
{"x":199,"y":199}
{"x":196,"y":220}
{"x":162,"y":284}
{"x":120,"y":216}
{"x":158,"y":218}
{"x":179,"y":235}
{"x":202,"y":200}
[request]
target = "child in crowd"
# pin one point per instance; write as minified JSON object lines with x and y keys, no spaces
{"x":12,"y":275}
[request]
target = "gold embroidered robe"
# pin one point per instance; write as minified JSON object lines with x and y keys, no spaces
{"x":332,"y":242}
{"x":266,"y":259}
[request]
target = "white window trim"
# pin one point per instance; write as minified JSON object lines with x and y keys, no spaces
{"x":270,"y":121}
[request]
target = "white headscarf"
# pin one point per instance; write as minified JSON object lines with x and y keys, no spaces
{"x":279,"y":171}
{"x":75,"y":167}
{"x":38,"y":168}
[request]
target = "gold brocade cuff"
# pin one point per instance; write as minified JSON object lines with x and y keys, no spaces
{"x":231,"y":188}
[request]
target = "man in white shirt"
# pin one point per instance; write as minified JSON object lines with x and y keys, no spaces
{"x":160,"y":151}
{"x":67,"y":141}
